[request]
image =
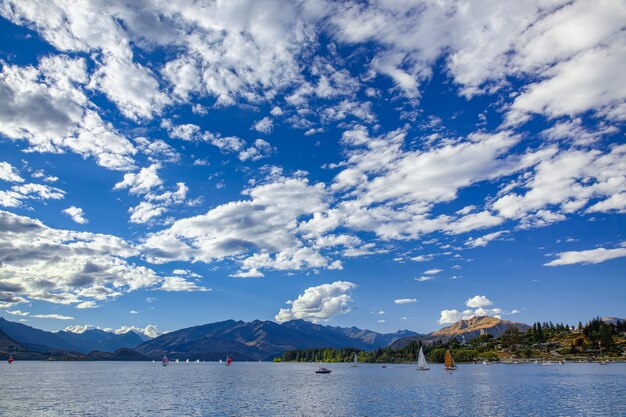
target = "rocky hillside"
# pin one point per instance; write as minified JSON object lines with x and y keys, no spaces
{"x":466,"y":330}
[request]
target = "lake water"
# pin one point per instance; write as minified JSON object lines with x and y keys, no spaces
{"x":293,"y":389}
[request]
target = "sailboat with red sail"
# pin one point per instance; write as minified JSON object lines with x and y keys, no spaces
{"x":228,"y":360}
{"x":10,"y":359}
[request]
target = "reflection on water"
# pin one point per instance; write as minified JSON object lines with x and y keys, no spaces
{"x":286,"y":389}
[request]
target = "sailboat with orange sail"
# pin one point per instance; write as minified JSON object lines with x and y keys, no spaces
{"x":449,"y":361}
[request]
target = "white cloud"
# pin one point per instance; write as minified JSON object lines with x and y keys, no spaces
{"x":87,"y":304}
{"x":433,"y":271}
{"x":14,"y":196}
{"x":478,"y":301}
{"x":422,"y":258}
{"x":76,"y":213}
{"x":178,"y":284}
{"x":150,"y":330}
{"x":70,"y":267}
{"x":267,"y":229}
{"x":131,"y":86}
{"x":261,"y":149}
{"x":18,"y":312}
{"x":424,"y":278}
{"x":592,"y":256}
{"x":452,"y":316}
{"x":9,"y":173}
{"x":405,"y":301}
{"x":319,"y":303}
{"x":141,"y":182}
{"x":265,"y":125}
{"x":590,"y":80}
{"x":565,"y":183}
{"x":155,"y":205}
{"x":483,"y":240}
{"x":79,"y":328}
{"x":157,"y":150}
{"x":47,"y":107}
{"x":133,"y":312}
{"x":51,"y":316}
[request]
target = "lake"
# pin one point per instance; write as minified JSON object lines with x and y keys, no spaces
{"x":293,"y":389}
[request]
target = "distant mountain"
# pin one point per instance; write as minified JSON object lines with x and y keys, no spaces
{"x":9,"y":345}
{"x":36,"y":340}
{"x":123,"y":354}
{"x":259,"y":340}
{"x":612,"y":320}
{"x":466,"y":330}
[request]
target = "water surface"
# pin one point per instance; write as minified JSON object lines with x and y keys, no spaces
{"x":293,"y":389}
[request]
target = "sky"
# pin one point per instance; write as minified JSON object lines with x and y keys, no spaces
{"x":388,"y":165}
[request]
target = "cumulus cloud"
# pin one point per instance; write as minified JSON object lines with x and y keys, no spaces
{"x":76,"y":213}
{"x":476,"y":308}
{"x":264,"y":125}
{"x":141,"y":182}
{"x":178,"y":284}
{"x":15,"y":196}
{"x":150,"y":330}
{"x":265,"y":229}
{"x":405,"y":301}
{"x":47,"y":107}
{"x":9,"y":173}
{"x":591,"y":256}
{"x":483,"y":240}
{"x":66,"y":267}
{"x":478,"y":301}
{"x":319,"y":303}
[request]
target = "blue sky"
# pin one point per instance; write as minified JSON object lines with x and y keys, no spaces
{"x":386,"y":165}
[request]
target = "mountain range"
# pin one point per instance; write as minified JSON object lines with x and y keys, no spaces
{"x":261,"y":340}
{"x":256,"y":340}
{"x":36,"y":340}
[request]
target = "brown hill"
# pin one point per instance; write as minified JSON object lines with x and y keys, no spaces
{"x":465,"y":330}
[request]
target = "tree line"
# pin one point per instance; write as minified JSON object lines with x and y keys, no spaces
{"x":596,"y":333}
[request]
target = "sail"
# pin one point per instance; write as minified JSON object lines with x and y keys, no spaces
{"x":355,"y":361}
{"x":449,"y":361}
{"x":421,"y":362}
{"x":228,"y":360}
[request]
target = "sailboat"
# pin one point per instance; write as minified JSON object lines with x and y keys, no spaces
{"x":10,"y":359}
{"x":355,"y":361}
{"x":450,"y":365}
{"x":422,"y":365}
{"x":220,"y":361}
{"x":177,"y":360}
{"x":187,"y":360}
{"x":165,"y":360}
{"x":228,"y":361}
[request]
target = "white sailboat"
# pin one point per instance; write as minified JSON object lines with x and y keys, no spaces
{"x":422,"y":365}
{"x":355,"y":361}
